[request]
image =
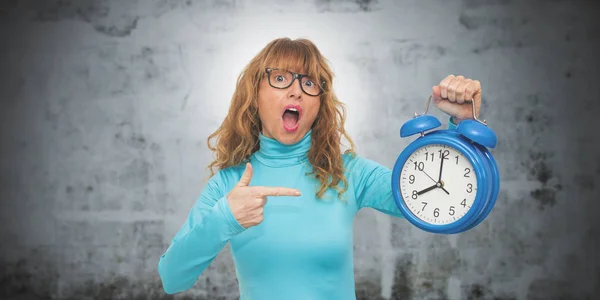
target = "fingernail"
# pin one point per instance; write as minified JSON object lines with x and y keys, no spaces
{"x":298,"y":193}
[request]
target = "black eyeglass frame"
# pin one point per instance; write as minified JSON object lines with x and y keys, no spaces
{"x":294,"y":77}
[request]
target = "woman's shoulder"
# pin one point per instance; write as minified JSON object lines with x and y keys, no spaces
{"x":354,"y":162}
{"x":353,"y":159}
{"x":229,"y":174}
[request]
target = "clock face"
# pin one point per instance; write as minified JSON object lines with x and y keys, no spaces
{"x":434,"y":200}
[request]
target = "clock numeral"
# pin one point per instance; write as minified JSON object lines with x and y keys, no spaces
{"x":414,"y":194}
{"x":419,"y":166}
{"x":451,"y":211}
{"x":424,"y":205}
{"x":469,"y":188}
{"x":444,"y":154}
{"x":464,"y":203}
{"x":427,"y":156}
{"x":436,"y":212}
{"x":457,"y":159}
{"x":467,"y":172}
{"x":411,"y":179}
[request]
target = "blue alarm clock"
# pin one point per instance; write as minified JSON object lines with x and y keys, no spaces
{"x":446,"y":181}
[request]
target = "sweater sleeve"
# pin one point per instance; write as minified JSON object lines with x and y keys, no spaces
{"x":451,"y":125}
{"x":209,"y":226}
{"x":373,"y":184}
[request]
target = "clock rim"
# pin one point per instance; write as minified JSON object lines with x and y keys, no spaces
{"x":494,"y":186}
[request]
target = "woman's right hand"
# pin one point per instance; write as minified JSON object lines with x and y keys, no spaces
{"x":247,"y":202}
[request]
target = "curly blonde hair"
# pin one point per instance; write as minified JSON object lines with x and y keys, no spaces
{"x":238,"y":135}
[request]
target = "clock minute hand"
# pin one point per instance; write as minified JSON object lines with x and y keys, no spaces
{"x":441,"y":166}
{"x":440,"y":177}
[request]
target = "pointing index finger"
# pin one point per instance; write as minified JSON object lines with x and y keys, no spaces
{"x":277,"y":191}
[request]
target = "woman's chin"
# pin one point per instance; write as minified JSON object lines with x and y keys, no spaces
{"x":291,"y":136}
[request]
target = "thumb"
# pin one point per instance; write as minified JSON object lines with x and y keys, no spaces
{"x":247,"y":176}
{"x":436,"y":92}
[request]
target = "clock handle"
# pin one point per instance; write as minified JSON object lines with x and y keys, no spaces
{"x":426,"y":107}
{"x":472,"y":104}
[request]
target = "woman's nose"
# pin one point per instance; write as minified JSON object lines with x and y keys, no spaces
{"x":296,"y":90}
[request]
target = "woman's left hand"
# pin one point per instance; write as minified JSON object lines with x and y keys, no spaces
{"x":452,"y":96}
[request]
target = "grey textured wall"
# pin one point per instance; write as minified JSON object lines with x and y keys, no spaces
{"x":106,"y":107}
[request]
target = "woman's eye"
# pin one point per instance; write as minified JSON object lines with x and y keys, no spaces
{"x":279,"y":78}
{"x":309,"y":83}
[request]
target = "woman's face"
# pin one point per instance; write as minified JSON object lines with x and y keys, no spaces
{"x":286,"y":114}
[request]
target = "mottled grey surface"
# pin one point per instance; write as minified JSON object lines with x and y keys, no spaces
{"x":106,"y":107}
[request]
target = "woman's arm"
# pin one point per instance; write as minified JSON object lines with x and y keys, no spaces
{"x":208,"y":228}
{"x":373,"y":184}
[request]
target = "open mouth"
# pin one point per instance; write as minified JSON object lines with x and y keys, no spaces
{"x":291,"y":116}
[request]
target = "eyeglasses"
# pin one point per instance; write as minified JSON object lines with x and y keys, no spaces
{"x":282,"y":79}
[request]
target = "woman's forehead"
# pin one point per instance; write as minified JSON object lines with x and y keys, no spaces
{"x":295,"y":64}
{"x":289,"y":65}
{"x":292,"y":69}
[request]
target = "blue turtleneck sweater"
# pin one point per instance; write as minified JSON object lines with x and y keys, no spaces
{"x":302,"y":250}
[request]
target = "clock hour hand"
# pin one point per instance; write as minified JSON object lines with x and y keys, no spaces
{"x":428,"y":189}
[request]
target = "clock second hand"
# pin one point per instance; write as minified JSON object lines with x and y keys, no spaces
{"x":429,"y":176}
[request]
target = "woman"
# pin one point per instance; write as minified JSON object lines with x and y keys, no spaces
{"x":284,"y":195}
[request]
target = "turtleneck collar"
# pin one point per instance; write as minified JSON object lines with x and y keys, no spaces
{"x":275,"y":154}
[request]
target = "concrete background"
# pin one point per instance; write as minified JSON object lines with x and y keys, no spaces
{"x":106,"y":107}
